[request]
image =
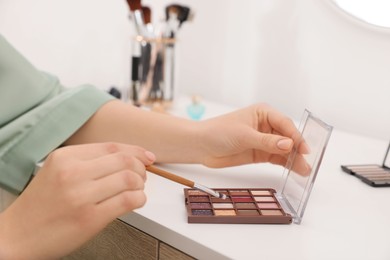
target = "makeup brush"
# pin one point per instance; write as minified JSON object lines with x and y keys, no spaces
{"x":147,"y":13}
{"x":185,"y":182}
{"x":136,"y":11}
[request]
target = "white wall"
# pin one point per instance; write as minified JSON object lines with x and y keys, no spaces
{"x":292,"y":54}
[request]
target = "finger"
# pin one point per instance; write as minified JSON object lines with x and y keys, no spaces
{"x":270,"y":143}
{"x":111,"y":163}
{"x":284,"y":126}
{"x":120,"y":204}
{"x":111,"y":185}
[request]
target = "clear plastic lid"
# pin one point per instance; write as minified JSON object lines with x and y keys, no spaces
{"x":296,"y":188}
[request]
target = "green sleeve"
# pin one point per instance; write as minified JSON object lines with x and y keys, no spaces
{"x":37,"y":114}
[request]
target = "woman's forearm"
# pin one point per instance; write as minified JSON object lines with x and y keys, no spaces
{"x":172,"y":139}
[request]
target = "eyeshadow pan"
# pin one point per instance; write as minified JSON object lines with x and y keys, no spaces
{"x":199,"y":199}
{"x":241,"y":199}
{"x":223,"y":205}
{"x":214,"y":199}
{"x":245,"y":205}
{"x":227,"y":212}
{"x":239,"y":193}
{"x":271,"y":212}
{"x":264,"y":199}
{"x":196,"y":192}
{"x":247,"y":212}
{"x":260,"y":192}
{"x":201,"y":205}
{"x":268,"y":205}
{"x":244,"y":208}
{"x":202,"y":212}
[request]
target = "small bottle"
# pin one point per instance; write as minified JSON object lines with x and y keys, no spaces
{"x":196,"y":109}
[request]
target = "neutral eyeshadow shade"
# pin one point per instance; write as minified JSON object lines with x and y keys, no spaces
{"x":245,"y":205}
{"x":202,"y":212}
{"x":239,"y":193}
{"x":201,"y":205}
{"x":271,"y":212}
{"x":260,"y":192}
{"x":199,"y":199}
{"x":264,"y":199}
{"x":221,"y":212}
{"x":196,"y":192}
{"x":242,"y":199}
{"x":223,"y":205}
{"x":268,"y":205}
{"x":247,"y":212}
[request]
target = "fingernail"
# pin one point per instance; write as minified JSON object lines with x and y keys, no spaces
{"x":284,"y":144}
{"x":150,"y":156}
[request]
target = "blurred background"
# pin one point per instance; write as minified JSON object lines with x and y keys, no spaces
{"x":292,"y":54}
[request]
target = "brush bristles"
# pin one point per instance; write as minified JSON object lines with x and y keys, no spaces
{"x":147,"y":14}
{"x":134,"y":4}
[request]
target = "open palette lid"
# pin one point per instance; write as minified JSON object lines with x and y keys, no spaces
{"x":386,"y":160}
{"x":296,"y":188}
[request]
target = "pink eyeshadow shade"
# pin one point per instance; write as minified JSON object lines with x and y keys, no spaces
{"x":268,"y":205}
{"x":264,"y":199}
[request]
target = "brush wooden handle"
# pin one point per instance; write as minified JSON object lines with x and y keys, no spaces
{"x":170,"y":176}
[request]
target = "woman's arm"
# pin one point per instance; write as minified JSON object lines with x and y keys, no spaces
{"x":254,"y":134}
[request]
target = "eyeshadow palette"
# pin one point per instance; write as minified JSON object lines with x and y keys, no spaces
{"x":266,"y":205}
{"x":250,"y":206}
{"x":372,"y":174}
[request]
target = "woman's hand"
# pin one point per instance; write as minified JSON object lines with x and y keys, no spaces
{"x":254,"y":134}
{"x":78,"y":191}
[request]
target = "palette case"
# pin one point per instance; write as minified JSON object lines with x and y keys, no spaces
{"x":374,"y":175}
{"x":266,"y":205}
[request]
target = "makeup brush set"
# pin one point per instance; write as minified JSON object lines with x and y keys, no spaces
{"x":153,"y":53}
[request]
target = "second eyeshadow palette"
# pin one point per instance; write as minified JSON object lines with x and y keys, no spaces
{"x":242,"y":206}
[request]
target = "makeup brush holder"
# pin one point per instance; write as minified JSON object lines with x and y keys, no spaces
{"x":153,"y":75}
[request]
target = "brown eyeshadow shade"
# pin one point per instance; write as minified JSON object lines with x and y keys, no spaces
{"x":245,"y":206}
{"x":247,"y":212}
{"x":241,"y":199}
{"x":214,"y":199}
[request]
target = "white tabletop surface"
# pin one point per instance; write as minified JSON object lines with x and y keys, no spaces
{"x":345,"y":218}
